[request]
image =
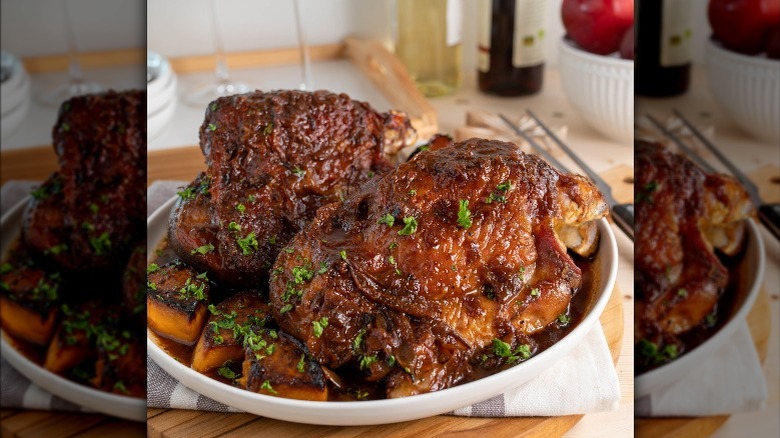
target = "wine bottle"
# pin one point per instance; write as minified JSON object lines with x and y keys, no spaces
{"x":429,"y":43}
{"x":510,"y":57}
{"x":663,"y":52}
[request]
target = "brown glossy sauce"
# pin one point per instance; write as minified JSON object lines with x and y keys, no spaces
{"x":727,"y":305}
{"x":354,"y":387}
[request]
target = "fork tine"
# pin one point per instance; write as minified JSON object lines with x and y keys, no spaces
{"x":600,"y":183}
{"x":747,"y":183}
{"x":540,"y":150}
{"x":683,"y":147}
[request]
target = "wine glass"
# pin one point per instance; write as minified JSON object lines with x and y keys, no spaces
{"x":77,"y":85}
{"x":306,"y":82}
{"x":204,"y":94}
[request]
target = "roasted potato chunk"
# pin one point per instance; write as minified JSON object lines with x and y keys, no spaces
{"x":176,"y":301}
{"x":277,"y":364}
{"x":74,"y":339}
{"x":223,"y":335}
{"x":30,"y":300}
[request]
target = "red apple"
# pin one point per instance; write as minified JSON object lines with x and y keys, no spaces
{"x":773,"y":45}
{"x":597,"y":25}
{"x":627,"y":44}
{"x":743,"y":25}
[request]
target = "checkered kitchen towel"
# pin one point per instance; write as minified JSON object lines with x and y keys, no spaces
{"x":585,"y":381}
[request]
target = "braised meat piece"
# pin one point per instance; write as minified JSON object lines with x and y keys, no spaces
{"x":88,"y":215}
{"x":273,"y":159}
{"x":417,"y":274}
{"x":682,"y":215}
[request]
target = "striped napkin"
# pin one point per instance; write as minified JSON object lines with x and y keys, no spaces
{"x":584,"y":381}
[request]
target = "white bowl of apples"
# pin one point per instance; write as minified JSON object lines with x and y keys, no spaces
{"x":597,"y":67}
{"x":743,"y":64}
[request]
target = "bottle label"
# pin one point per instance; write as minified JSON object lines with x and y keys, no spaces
{"x":454,"y":22}
{"x":483,"y":35}
{"x":529,"y":33}
{"x":676,"y":32}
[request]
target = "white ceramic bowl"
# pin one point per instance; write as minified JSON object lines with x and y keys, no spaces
{"x":393,"y":410}
{"x":747,"y":88}
{"x":100,"y":401}
{"x":674,"y":371}
{"x":601,"y":89}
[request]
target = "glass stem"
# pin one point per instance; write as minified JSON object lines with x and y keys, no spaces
{"x":304,"y":48}
{"x":74,"y":65}
{"x":223,"y":76}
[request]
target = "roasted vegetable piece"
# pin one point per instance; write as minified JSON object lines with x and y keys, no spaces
{"x":277,"y":364}
{"x":223,"y":335}
{"x":176,"y":301}
{"x":121,"y":363}
{"x":29,"y":300}
{"x":74,"y":340}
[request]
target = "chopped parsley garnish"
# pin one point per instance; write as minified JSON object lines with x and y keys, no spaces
{"x":65,"y":126}
{"x":387,"y":219}
{"x":391,"y":260}
{"x":323,"y":268}
{"x":413,"y":192}
{"x":100,"y":244}
{"x":464,"y":214}
{"x":504,"y":350}
{"x":682,"y":293}
{"x":286,"y":308}
{"x":366,"y":361}
{"x":241,"y":208}
{"x":226,"y":372}
{"x":656,"y":355}
{"x":234,"y":227}
{"x":267,"y":386}
{"x":319,"y":326}
{"x":357,"y":343}
{"x":391,"y":360}
{"x":193,"y":289}
{"x":152,"y":268}
{"x":301,"y":364}
{"x":302,"y":274}
{"x":504,"y":186}
{"x":212,"y":127}
{"x":151,"y":285}
{"x":269,"y":128}
{"x":187,"y":193}
{"x":251,"y":198}
{"x":645,"y":194}
{"x":298,"y":171}
{"x":39,"y":193}
{"x":120,"y":386}
{"x":410,"y":226}
{"x":248,"y":244}
{"x":94,"y":208}
{"x":535,"y":292}
{"x":343,"y":254}
{"x":56,"y":249}
{"x":393,"y":246}
{"x":564,"y":318}
{"x":6,"y":268}
{"x":272,"y":240}
{"x":203,"y":250}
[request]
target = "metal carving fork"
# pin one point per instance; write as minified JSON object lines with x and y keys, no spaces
{"x":768,"y":214}
{"x":622,"y":214}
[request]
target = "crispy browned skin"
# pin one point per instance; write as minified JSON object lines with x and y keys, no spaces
{"x":93,"y":208}
{"x":425,"y":303}
{"x":176,"y":302}
{"x":679,"y":278}
{"x":278,"y":364}
{"x":223,"y":336}
{"x":274,"y":159}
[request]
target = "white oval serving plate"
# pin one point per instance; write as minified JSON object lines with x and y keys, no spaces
{"x":100,"y":401}
{"x":674,"y":371}
{"x":393,"y":410}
